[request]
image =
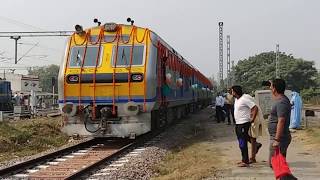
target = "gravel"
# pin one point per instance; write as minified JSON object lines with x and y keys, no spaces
{"x":71,"y":142}
{"x":141,"y":166}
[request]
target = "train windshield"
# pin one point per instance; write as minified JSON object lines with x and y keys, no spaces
{"x":123,"y":55}
{"x":77,"y":56}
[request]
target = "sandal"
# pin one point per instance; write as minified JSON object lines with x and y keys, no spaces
{"x":259,"y":145}
{"x":252,"y":161}
{"x":243,"y":165}
{"x":240,"y":162}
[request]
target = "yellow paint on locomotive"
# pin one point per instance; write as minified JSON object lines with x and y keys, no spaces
{"x":106,"y":89}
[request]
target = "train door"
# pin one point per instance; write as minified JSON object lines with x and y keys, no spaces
{"x":159,"y":116}
{"x":165,"y":90}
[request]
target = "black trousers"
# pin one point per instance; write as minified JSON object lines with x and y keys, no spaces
{"x":230,"y":110}
{"x":243,"y":138}
{"x":219,"y":114}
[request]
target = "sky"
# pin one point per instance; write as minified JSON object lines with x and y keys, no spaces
{"x":189,"y":26}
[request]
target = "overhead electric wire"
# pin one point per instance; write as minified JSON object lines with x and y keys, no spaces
{"x":40,"y":32}
{"x":12,"y":63}
{"x":13,"y":21}
{"x":40,"y":46}
{"x":36,"y":33}
{"x":27,"y":52}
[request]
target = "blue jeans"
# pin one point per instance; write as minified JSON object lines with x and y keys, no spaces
{"x":243,"y":138}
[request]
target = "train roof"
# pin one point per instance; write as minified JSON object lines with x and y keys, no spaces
{"x":155,"y":37}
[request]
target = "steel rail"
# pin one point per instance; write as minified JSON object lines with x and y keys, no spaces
{"x":14,"y":169}
{"x":20,"y":167}
{"x":141,"y":139}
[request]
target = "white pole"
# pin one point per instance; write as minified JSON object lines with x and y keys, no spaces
{"x":52,"y":96}
{"x":277,"y":61}
{"x":33,"y":101}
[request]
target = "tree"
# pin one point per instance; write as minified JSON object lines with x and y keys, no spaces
{"x":46,"y":73}
{"x":214,"y":82}
{"x":318,"y":79}
{"x":298,"y":73}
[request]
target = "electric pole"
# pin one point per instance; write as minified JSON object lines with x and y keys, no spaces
{"x":228,"y":62}
{"x":17,"y":35}
{"x":277,"y":61}
{"x":221,"y":54}
{"x":233,"y":73}
{"x":16,"y":38}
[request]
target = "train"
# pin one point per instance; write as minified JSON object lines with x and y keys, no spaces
{"x":5,"y":96}
{"x":119,"y":80}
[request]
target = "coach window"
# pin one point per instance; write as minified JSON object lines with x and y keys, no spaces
{"x":123,"y":55}
{"x":77,"y":53}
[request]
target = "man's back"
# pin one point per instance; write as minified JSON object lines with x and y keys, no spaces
{"x":219,"y":101}
{"x":229,"y":99}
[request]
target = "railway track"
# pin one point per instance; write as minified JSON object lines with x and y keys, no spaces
{"x":73,"y":162}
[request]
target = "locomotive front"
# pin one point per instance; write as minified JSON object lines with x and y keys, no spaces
{"x":107,"y":81}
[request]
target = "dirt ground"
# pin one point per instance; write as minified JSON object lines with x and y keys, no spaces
{"x":303,"y":153}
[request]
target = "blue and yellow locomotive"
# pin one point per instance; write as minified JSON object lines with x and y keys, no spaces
{"x":5,"y":96}
{"x":123,"y":81}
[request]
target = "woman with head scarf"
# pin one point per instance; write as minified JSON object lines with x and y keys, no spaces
{"x":296,"y":105}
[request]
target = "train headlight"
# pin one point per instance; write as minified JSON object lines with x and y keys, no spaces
{"x":131,"y":108}
{"x":110,"y":27}
{"x":69,"y":109}
{"x":137,"y":77}
{"x":73,"y":79}
{"x":79,"y":30}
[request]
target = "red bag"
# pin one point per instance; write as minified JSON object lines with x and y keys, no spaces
{"x":279,"y":164}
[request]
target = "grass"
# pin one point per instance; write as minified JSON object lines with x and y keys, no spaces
{"x":314,"y":134}
{"x":29,"y":137}
{"x":310,"y":137}
{"x":314,"y":100}
{"x":195,"y":162}
{"x":195,"y":159}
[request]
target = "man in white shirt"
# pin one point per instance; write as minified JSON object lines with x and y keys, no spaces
{"x":245,"y":111}
{"x":219,"y":108}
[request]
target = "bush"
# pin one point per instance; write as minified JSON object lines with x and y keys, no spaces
{"x":20,"y":138}
{"x":311,"y":95}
